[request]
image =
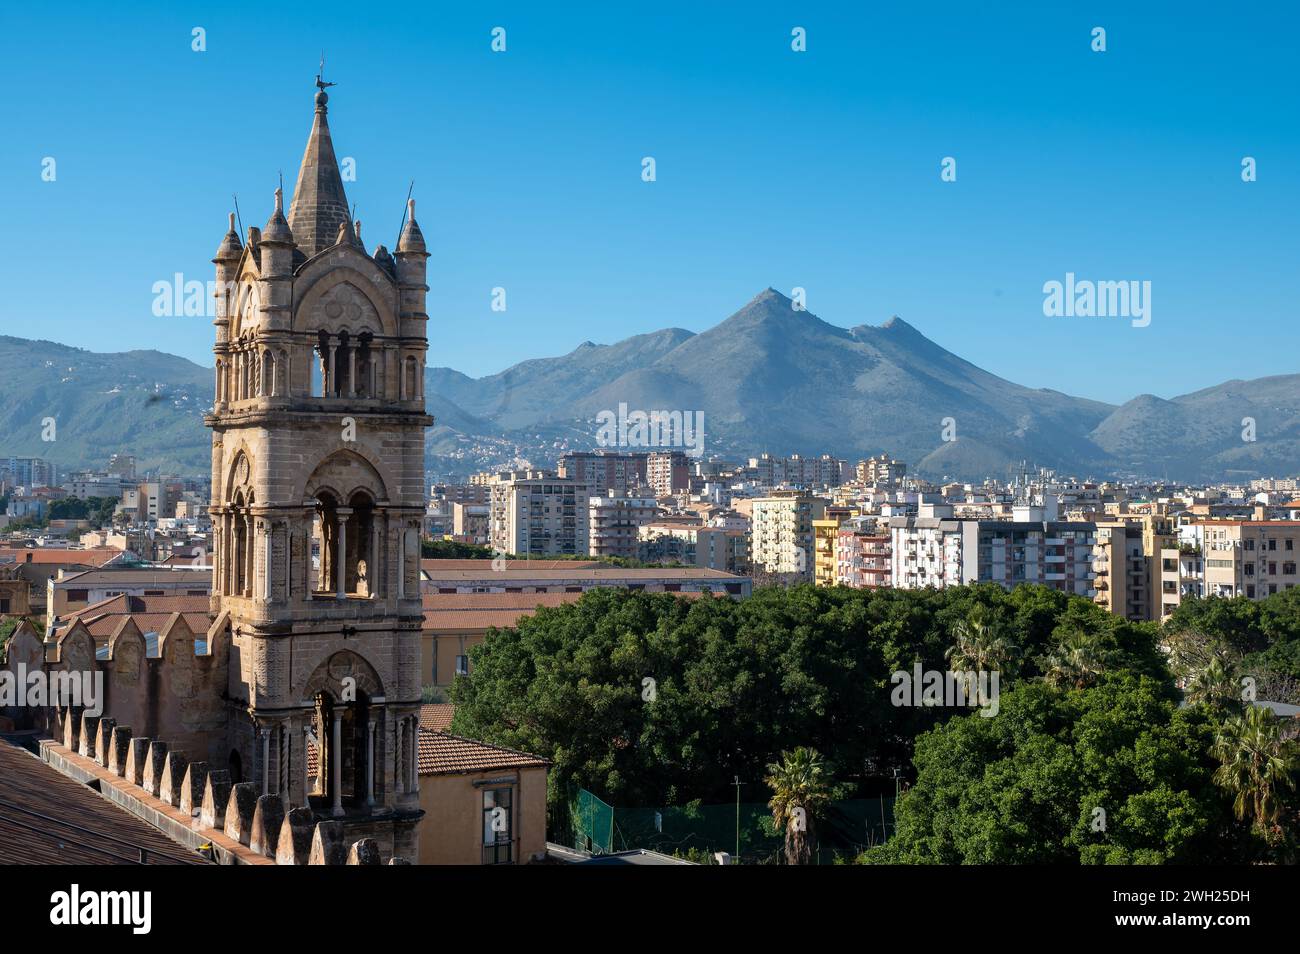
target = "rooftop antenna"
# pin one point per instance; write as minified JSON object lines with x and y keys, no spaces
{"x":237,"y":215}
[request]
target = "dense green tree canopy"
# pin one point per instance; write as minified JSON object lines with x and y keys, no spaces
{"x":656,"y":699}
{"x":735,"y":683}
{"x":1113,"y":773}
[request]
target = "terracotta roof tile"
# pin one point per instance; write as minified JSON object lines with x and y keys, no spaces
{"x":54,"y":555}
{"x":428,"y":564}
{"x":442,"y":753}
{"x":436,"y":716}
{"x":47,"y":818}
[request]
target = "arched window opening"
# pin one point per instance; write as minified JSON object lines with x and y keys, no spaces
{"x":345,"y":359}
{"x":362,"y":546}
{"x":239,"y":558}
{"x":347,"y":540}
{"x":268,"y":375}
{"x":410,"y":381}
{"x":344,"y":767}
{"x":365,"y":366}
{"x":325,"y":537}
{"x":318,"y":352}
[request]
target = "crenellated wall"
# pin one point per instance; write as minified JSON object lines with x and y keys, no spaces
{"x":177,"y":695}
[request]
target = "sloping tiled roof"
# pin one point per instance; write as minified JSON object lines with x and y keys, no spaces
{"x":47,"y":818}
{"x":481,"y":611}
{"x":149,"y":612}
{"x":442,"y":753}
{"x":450,"y":612}
{"x":63,"y":557}
{"x":436,"y":716}
{"x":449,"y":602}
{"x":429,"y":564}
{"x":141,"y":576}
{"x":610,"y":576}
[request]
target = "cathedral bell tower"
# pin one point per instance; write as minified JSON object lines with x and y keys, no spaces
{"x":317,"y":498}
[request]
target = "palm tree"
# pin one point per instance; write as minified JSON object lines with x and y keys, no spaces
{"x":800,"y":790}
{"x":1078,"y":659}
{"x":1214,"y":684}
{"x":978,"y":646}
{"x":1257,"y":766}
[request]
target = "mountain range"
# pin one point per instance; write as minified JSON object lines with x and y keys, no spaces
{"x":770,"y":378}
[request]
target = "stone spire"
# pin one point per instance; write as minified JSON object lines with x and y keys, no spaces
{"x":411,"y":239}
{"x":277,"y":230}
{"x":319,"y":204}
{"x":230,"y":248}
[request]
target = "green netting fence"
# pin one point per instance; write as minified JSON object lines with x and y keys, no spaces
{"x":594,"y":824}
{"x":844,"y":829}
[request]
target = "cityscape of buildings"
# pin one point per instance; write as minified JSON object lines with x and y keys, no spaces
{"x":1137,"y":550}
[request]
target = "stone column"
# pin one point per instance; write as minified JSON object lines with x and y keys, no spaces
{"x":235,"y":556}
{"x":414,"y":768}
{"x":341,"y":570}
{"x":336,"y":763}
{"x":247,"y":556}
{"x":306,"y":555}
{"x":401,"y":562}
{"x":306,"y":769}
{"x":352,"y":370}
{"x":399,"y":774}
{"x":227,"y":548}
{"x":218,"y":547}
{"x":332,"y":382}
{"x":370,"y":767}
{"x":268,"y":592}
{"x":266,"y":760}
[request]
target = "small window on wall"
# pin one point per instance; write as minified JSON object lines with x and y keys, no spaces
{"x":462,"y":665}
{"x":498,"y":824}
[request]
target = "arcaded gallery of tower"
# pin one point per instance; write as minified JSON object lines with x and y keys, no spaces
{"x":317,"y":495}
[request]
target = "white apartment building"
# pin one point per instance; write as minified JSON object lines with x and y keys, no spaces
{"x":783,"y":533}
{"x":701,"y":546}
{"x":613,"y":520}
{"x":1250,"y":558}
{"x":536,"y":513}
{"x":933,"y":549}
{"x":798,"y":471}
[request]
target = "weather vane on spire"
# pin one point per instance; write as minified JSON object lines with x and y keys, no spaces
{"x":320,"y":81}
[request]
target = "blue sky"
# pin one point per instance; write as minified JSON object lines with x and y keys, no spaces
{"x":817,"y":169}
